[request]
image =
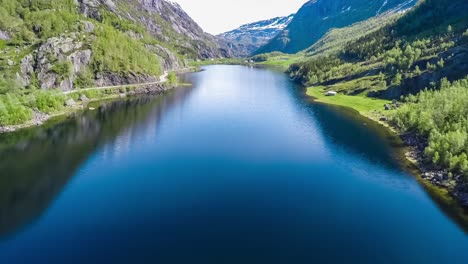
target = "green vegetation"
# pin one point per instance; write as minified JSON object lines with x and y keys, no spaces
{"x":366,"y":106}
{"x":116,"y":52}
{"x":442,"y":116}
{"x":172,"y":78}
{"x":224,"y":61}
{"x":49,"y":101}
{"x":119,"y":45}
{"x":401,"y":56}
{"x":13,"y":111}
{"x":336,"y":39}
{"x":277,"y":59}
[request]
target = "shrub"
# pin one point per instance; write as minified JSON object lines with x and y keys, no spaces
{"x":49,"y":101}
{"x":12,"y":111}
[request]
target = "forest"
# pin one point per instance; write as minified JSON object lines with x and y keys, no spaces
{"x":417,"y":59}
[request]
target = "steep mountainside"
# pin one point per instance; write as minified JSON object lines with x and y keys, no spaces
{"x":69,"y":44}
{"x":164,"y":20}
{"x":246,"y":39}
{"x":419,"y":61}
{"x":317,"y":17}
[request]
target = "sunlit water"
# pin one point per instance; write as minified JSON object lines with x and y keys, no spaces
{"x":238,"y":168}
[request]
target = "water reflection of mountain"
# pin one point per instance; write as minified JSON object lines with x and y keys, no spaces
{"x":37,"y":163}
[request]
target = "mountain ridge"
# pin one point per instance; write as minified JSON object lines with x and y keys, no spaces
{"x":316,"y":17}
{"x":247,"y":38}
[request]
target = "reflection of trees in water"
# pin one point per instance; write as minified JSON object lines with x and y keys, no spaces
{"x":357,"y":134}
{"x":363,"y":137}
{"x":37,"y":163}
{"x":351,"y":131}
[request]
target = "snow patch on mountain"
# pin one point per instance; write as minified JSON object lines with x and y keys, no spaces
{"x":249,"y":37}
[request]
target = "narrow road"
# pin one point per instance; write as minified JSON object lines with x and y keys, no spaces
{"x":162,"y":79}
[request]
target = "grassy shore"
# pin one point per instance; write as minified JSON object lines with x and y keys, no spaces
{"x":373,"y":109}
{"x":366,"y":106}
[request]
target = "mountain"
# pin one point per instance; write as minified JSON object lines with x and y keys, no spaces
{"x":317,"y":17}
{"x":419,"y":60}
{"x":246,"y":39}
{"x":69,"y":44}
{"x":164,"y":20}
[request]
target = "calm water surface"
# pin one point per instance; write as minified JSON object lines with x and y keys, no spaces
{"x":239,"y":168}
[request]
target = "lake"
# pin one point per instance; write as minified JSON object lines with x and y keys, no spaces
{"x":240,"y":167}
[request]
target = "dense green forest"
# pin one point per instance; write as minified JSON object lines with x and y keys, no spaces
{"x":441,"y":115}
{"x":418,"y":58}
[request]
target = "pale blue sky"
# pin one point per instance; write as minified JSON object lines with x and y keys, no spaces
{"x":217,"y":16}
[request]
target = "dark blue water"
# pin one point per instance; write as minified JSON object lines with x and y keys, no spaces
{"x":238,"y":168}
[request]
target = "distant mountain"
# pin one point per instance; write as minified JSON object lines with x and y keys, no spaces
{"x":246,"y":39}
{"x":317,"y":17}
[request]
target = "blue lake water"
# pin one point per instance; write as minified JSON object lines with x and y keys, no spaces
{"x":240,"y":167}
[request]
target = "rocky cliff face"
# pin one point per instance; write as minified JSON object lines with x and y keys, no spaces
{"x":246,"y":39}
{"x":316,"y":17}
{"x":65,"y":59}
{"x":164,"y":20}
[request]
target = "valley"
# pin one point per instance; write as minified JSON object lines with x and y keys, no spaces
{"x":342,"y":124}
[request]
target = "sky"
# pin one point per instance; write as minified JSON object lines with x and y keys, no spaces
{"x":218,"y":16}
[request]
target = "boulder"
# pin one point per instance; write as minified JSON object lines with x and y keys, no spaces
{"x":83,"y":98}
{"x":387,"y":107}
{"x":90,"y":8}
{"x":88,"y":26}
{"x":4,"y":35}
{"x":70,"y":102}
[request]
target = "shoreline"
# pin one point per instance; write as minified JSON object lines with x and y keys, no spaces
{"x":40,"y":118}
{"x":110,"y":92}
{"x":437,"y":180}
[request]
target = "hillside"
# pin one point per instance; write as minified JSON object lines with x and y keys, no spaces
{"x":317,"y":17}
{"x":420,"y":60}
{"x":246,"y":39}
{"x":69,"y":44}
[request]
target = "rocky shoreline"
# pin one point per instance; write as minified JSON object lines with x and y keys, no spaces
{"x":39,"y":118}
{"x":453,"y":183}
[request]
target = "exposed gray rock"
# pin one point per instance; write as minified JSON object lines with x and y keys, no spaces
{"x":39,"y":118}
{"x":66,"y":85}
{"x":170,"y":61}
{"x":61,"y":50}
{"x":246,"y":39}
{"x":88,"y":26}
{"x":10,"y":62}
{"x":90,"y":8}
{"x":134,"y":35}
{"x":24,"y":77}
{"x":80,"y":60}
{"x":110,"y":79}
{"x":70,"y":102}
{"x":200,"y":42}
{"x":4,"y":35}
{"x":83,"y":98}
